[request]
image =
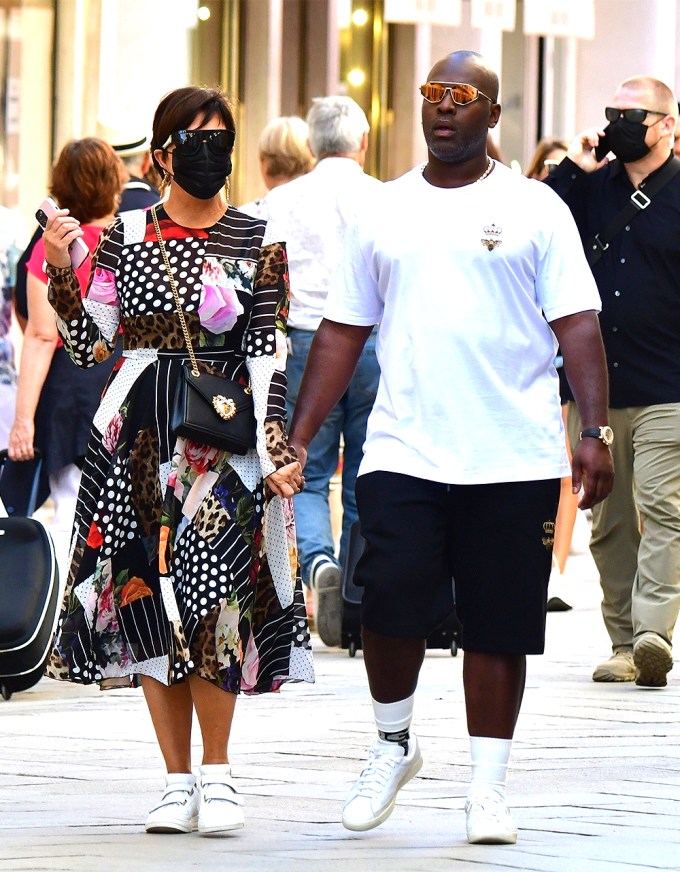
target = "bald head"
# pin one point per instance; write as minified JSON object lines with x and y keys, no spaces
{"x":650,"y":93}
{"x":466,"y":66}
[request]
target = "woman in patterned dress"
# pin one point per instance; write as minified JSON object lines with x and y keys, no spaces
{"x":184,"y":566}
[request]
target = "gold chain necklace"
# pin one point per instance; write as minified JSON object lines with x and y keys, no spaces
{"x":489,"y":166}
{"x":486,"y":172}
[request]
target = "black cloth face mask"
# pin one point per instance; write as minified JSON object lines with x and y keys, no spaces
{"x":627,"y":139}
{"x":203,"y":173}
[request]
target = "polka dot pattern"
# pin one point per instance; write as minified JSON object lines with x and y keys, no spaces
{"x":277,"y":551}
{"x":226,"y":544}
{"x":104,"y":316}
{"x":144,"y":285}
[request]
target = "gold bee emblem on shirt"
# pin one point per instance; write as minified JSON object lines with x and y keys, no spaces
{"x":224,"y":407}
{"x":491,"y":238}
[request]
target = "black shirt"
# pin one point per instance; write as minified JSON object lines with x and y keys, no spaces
{"x":138,"y":194}
{"x":638,"y":278}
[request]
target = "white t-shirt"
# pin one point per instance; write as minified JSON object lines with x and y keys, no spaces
{"x":459,"y":280}
{"x":312,"y":214}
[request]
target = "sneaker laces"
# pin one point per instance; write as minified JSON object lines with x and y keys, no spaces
{"x":493,"y":806}
{"x":376,"y":773}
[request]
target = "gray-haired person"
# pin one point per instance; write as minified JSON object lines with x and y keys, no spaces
{"x":312,"y":213}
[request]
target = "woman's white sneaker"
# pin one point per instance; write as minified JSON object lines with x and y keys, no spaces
{"x":177,"y":811}
{"x":372,"y":798}
{"x":488,"y":820}
{"x":221,"y":810}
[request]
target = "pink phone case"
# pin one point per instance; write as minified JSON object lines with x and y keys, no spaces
{"x":77,"y":250}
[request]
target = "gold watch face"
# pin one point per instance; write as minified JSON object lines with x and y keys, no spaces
{"x":607,"y":435}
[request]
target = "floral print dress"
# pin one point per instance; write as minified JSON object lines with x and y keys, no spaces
{"x":182,"y":560}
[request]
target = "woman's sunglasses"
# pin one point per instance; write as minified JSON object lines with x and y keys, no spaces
{"x":189,"y":142}
{"x":461,"y":94}
{"x":637,"y":115}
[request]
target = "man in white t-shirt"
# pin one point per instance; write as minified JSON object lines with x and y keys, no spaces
{"x":472,"y":273}
{"x":312,"y":214}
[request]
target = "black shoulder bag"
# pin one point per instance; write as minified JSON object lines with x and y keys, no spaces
{"x":208,"y":408}
{"x":639,"y":201}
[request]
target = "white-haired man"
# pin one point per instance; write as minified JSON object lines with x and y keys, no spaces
{"x":312,"y":213}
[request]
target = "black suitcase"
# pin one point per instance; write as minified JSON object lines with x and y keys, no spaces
{"x":29,"y":599}
{"x":446,"y":635}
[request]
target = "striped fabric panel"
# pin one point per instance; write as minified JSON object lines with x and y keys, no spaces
{"x":263,"y":313}
{"x":276,"y":407}
{"x":236,"y":236}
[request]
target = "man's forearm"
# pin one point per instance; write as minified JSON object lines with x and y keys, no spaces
{"x":330,"y":366}
{"x":585,"y":365}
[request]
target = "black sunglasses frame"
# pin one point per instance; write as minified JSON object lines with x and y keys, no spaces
{"x":612,"y":114}
{"x":189,"y":141}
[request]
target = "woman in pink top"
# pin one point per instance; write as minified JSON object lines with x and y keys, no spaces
{"x":56,"y":401}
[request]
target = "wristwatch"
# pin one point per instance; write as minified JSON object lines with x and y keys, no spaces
{"x":606,"y":434}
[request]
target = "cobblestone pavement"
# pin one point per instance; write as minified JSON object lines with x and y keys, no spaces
{"x":595,"y":782}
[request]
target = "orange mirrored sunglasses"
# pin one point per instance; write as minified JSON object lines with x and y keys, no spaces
{"x":461,"y":94}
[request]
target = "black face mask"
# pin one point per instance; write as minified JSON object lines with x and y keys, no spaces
{"x":202,"y":174}
{"x":627,"y":139}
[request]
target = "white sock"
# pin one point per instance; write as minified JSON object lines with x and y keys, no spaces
{"x":489,"y":758}
{"x":392,"y":717}
{"x":215,"y":769}
{"x":393,"y":720}
{"x":180,"y":779}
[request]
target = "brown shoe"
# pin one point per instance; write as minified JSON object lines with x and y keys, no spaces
{"x":653,"y":657}
{"x":619,"y":667}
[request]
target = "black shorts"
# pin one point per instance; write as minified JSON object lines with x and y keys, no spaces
{"x":494,"y":540}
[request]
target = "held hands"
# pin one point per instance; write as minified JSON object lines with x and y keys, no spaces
{"x":592,"y":466}
{"x":581,"y":152}
{"x":60,"y":231}
{"x":287,"y":481}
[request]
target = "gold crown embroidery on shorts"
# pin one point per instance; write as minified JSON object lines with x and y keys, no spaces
{"x":549,"y":530}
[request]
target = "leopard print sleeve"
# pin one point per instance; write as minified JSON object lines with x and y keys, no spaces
{"x":265,"y":345}
{"x":88,"y":326}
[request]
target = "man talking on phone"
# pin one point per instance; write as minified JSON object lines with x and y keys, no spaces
{"x":628,"y":212}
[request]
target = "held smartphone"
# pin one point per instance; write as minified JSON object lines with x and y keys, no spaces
{"x":602,"y":149}
{"x":77,"y":250}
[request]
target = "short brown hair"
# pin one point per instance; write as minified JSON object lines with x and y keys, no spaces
{"x":87,"y":179}
{"x":181,"y":107}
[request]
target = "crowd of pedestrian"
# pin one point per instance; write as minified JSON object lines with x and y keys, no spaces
{"x":480,"y":352}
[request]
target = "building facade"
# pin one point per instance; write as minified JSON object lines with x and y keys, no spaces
{"x":67,"y":64}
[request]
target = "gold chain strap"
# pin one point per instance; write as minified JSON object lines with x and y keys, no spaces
{"x":173,"y":284}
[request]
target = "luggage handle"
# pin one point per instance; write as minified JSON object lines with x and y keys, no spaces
{"x":33,"y":496}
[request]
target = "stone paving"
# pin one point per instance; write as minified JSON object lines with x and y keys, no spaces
{"x":595,"y":782}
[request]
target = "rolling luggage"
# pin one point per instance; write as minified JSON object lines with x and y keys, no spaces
{"x":29,"y":597}
{"x":446,"y":635}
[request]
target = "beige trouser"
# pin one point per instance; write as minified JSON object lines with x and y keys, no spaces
{"x":636,"y":531}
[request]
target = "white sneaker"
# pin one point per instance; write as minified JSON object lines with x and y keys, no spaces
{"x":488,"y":820}
{"x":221,"y":810}
{"x":326,"y":583}
{"x":371,"y":800}
{"x":177,"y":811}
